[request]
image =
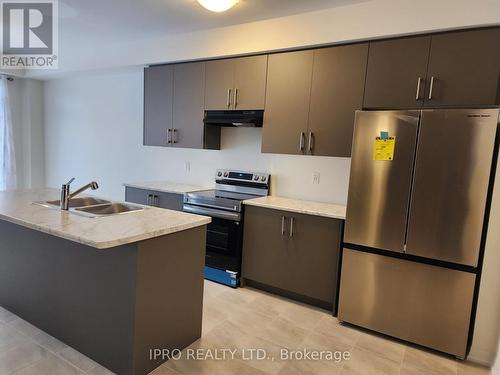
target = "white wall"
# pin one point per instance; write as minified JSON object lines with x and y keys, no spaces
{"x":94,"y":131}
{"x":26,"y":98}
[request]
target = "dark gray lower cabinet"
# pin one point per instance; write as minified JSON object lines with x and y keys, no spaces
{"x":171,"y":201}
{"x":293,"y":253}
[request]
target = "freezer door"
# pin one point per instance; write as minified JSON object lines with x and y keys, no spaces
{"x":379,"y":190}
{"x":452,"y":171}
{"x":417,"y":302}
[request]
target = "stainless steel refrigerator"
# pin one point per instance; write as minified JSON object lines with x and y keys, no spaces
{"x":414,"y":233}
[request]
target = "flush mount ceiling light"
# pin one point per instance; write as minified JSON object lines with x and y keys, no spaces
{"x":218,"y":5}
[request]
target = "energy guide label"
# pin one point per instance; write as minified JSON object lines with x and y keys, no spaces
{"x":384,"y":148}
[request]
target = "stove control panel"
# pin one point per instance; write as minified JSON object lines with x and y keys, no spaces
{"x":224,"y":174}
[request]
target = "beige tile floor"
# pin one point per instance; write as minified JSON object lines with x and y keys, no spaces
{"x":239,"y":319}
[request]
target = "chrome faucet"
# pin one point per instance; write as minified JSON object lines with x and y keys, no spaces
{"x":66,"y":195}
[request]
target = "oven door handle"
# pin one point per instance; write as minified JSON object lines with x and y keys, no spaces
{"x":187,"y":201}
{"x":233,"y":216}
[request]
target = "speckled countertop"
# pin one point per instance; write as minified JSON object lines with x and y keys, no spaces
{"x":334,"y":211}
{"x":99,"y":232}
{"x":166,"y":186}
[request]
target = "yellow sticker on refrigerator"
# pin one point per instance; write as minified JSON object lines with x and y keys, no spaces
{"x":384,"y":148}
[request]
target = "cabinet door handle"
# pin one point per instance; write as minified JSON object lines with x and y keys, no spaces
{"x":302,"y":140}
{"x":419,"y":81}
{"x":431,"y":87}
{"x":235,"y":100}
{"x":310,"y":142}
{"x":291,"y":226}
{"x":283,"y":218}
{"x":174,"y":138}
{"x":228,"y":98}
{"x":169,"y":136}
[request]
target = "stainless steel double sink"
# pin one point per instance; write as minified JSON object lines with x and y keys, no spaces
{"x":93,"y":207}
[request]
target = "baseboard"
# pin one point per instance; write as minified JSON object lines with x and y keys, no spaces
{"x":287,"y":294}
{"x":482,"y":357}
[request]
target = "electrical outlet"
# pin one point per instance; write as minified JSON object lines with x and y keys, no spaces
{"x":188,"y":166}
{"x":316,"y":178}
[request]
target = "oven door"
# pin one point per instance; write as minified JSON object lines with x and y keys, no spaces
{"x":224,"y":242}
{"x":224,"y":237}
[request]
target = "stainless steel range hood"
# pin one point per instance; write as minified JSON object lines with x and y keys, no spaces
{"x":248,"y":119}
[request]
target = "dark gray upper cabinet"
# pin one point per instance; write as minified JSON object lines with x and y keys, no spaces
{"x":250,"y":74}
{"x":174,"y":98}
{"x":464,"y":68}
{"x":188,"y":105}
{"x":311,"y":100}
{"x":396,"y":73}
{"x":440,"y":70}
{"x":219,"y":84}
{"x":158,"y":97}
{"x":337,"y":89}
{"x":238,"y":83}
{"x":310,"y":96}
{"x":289,"y":78}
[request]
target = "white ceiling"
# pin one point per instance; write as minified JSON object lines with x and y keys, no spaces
{"x":110,"y":21}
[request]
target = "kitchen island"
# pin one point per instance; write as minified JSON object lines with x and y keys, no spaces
{"x":113,"y":287}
